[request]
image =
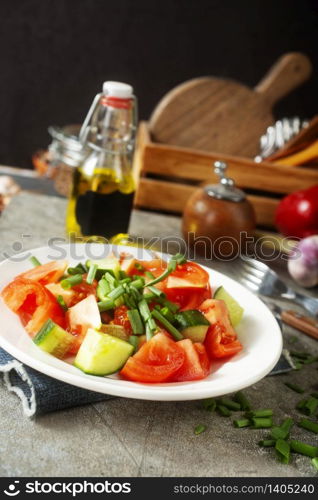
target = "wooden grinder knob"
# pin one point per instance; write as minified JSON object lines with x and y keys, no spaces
{"x":218,"y":218}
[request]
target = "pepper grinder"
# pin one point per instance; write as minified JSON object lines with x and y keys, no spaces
{"x":218,"y":218}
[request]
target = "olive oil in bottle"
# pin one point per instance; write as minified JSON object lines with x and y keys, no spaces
{"x":103,"y":187}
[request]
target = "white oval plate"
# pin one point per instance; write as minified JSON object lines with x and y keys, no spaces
{"x":258,"y":332}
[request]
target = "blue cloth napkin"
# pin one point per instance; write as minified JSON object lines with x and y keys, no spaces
{"x":42,"y":394}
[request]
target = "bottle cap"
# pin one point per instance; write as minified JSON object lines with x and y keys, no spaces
{"x":118,"y":89}
{"x":226,"y":189}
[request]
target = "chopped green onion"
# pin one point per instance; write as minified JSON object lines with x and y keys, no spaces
{"x":133,"y":340}
{"x":231,"y":405}
{"x":309,"y":425}
{"x":304,"y":449}
{"x":300,"y":355}
{"x":165,"y":311}
{"x":301,"y":404}
{"x":135,"y":321}
{"x":171,"y":329}
{"x":242,"y":400}
{"x":209,"y":404}
{"x":261,"y":422}
{"x":150,"y":275}
{"x":91,"y":274}
{"x":34,"y":261}
{"x":172,"y":265}
{"x":138,"y":266}
{"x":259,"y":413}
{"x":295,"y":387}
{"x":138,"y":283}
{"x":116,"y":293}
{"x":103,"y":289}
{"x":171,"y":305}
{"x":156,"y":292}
{"x":110,"y":280}
{"x":149,"y":332}
{"x":71,"y":281}
{"x":122,"y":274}
{"x":310,"y":406}
{"x":199,"y":429}
{"x":243,"y":422}
{"x":283,"y":451}
{"x":144,"y":310}
{"x":79,"y":269}
{"x":267,"y":442}
{"x":309,"y":360}
{"x":282,"y":431}
{"x":124,"y":281}
{"x":129,"y":301}
{"x":105,"y":305}
{"x":62,"y":302}
{"x":315,"y":462}
{"x":223,"y":410}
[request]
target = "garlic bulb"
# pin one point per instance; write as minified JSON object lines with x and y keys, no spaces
{"x":303,"y":262}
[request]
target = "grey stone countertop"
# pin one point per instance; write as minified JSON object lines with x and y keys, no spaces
{"x":123,"y":437}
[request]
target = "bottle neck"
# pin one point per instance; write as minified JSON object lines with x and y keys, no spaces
{"x":116,"y":102}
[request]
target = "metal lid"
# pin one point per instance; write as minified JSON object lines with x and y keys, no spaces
{"x":226,"y":189}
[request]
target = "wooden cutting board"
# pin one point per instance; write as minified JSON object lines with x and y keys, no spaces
{"x":219,"y":115}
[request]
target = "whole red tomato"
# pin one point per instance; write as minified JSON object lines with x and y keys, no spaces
{"x":297,"y":213}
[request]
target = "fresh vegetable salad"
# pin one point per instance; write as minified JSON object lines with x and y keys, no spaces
{"x":150,"y":321}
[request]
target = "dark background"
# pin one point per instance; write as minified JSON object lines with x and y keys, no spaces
{"x":55,"y":54}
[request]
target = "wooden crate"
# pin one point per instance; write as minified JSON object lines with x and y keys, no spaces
{"x":167,"y":175}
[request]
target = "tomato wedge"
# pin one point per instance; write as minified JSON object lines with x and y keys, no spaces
{"x":219,"y":344}
{"x":155,"y":362}
{"x":196,"y":365}
{"x":46,"y":273}
{"x":33,"y":303}
{"x":221,"y":339}
{"x":188,"y":275}
{"x":188,"y":298}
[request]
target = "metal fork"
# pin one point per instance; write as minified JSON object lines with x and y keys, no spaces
{"x":260,"y":279}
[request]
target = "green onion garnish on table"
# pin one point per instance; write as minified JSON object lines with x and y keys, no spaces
{"x":295,"y":387}
{"x":261,"y":422}
{"x":242,"y":400}
{"x":267,"y":412}
{"x":34,"y":261}
{"x":243,"y":422}
{"x":309,"y":425}
{"x":231,"y":405}
{"x":304,"y":449}
{"x":223,"y":410}
{"x":67,"y":283}
{"x":282,"y":431}
{"x":283,"y":451}
{"x":199,"y":429}
{"x":267,"y":442}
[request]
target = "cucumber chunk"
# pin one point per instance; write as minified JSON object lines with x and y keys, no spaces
{"x":235,"y":310}
{"x":192,"y":324}
{"x":109,"y":264}
{"x":54,"y":339}
{"x":102,"y":354}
